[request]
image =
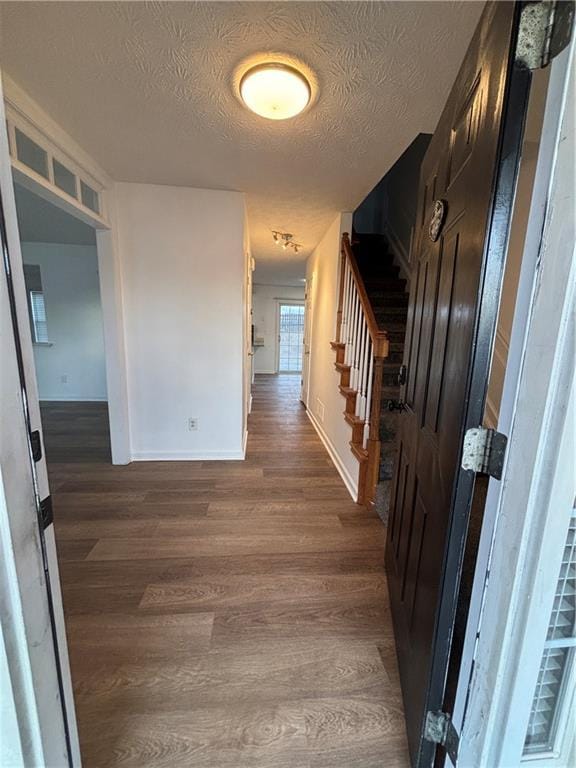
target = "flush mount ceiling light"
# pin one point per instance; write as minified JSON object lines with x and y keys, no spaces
{"x":275,"y":91}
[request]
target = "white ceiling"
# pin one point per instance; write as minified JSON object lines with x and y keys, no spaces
{"x":148,"y":90}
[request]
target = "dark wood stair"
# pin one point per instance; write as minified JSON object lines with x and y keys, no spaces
{"x":389,"y":299}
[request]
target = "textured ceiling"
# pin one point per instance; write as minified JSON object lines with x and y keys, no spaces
{"x":148,"y":90}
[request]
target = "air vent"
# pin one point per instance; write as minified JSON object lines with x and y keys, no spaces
{"x":558,"y":657}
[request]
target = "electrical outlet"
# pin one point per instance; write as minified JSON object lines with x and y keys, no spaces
{"x":320,"y":409}
{"x":192,"y":424}
{"x":64,"y":378}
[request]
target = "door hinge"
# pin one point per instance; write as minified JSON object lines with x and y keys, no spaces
{"x":484,"y":451}
{"x":544,"y":31}
{"x":46,"y":512}
{"x":439,"y":729}
{"x":36,"y":445}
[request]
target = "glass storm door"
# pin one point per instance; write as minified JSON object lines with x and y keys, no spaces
{"x":290,"y":337}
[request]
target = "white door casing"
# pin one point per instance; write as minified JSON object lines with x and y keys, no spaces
{"x":29,"y":579}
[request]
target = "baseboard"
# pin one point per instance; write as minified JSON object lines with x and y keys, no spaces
{"x":349,"y":482}
{"x":72,"y":399}
{"x":187,"y":456}
{"x":250,"y":404}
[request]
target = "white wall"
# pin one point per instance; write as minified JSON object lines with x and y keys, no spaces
{"x":72,"y":296}
{"x":323,"y":392}
{"x":265,"y":314}
{"x":182,"y":264}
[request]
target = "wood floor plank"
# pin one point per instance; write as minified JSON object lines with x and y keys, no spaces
{"x":229,"y":544}
{"x":214,"y":593}
{"x":223,"y":614}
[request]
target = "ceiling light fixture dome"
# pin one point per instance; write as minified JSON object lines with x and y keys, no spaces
{"x":275,"y":91}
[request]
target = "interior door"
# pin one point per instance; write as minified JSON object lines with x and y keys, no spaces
{"x":465,"y":195}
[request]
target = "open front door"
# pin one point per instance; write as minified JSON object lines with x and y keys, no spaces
{"x":39,"y":728}
{"x":465,"y":196}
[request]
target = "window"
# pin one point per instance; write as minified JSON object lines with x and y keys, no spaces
{"x":39,"y":324}
{"x":89,"y":197}
{"x":291,"y":327}
{"x":64,"y":179}
{"x":31,"y":154}
{"x":36,"y":304}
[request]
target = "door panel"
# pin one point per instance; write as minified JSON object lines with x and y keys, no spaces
{"x":450,"y":328}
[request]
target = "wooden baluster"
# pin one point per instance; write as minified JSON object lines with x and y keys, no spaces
{"x":350,"y":321}
{"x":342,"y":335}
{"x":361,"y":373}
{"x":343,"y":275}
{"x":357,"y":310}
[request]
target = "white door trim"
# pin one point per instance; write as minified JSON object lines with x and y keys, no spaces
{"x":527,"y":513}
{"x":25,"y":590}
{"x":30,"y":116}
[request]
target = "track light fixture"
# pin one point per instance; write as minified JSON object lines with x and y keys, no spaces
{"x":285,"y":240}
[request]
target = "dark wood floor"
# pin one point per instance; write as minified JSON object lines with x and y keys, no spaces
{"x":224,"y":614}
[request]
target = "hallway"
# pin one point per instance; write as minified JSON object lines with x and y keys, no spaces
{"x":228,"y":614}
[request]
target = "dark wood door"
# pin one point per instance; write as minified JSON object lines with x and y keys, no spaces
{"x":470,"y":166}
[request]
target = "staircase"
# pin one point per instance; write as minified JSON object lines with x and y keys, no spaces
{"x":373,"y":306}
{"x":387,"y":294}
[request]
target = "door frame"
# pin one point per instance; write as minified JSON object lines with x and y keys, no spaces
{"x":33,"y":624}
{"x":307,"y":341}
{"x":22,"y":112}
{"x":286,"y":303}
{"x":524,"y":532}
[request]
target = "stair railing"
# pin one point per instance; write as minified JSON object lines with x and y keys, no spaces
{"x":364,"y":347}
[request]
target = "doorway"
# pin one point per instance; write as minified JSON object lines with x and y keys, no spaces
{"x":66,"y":325}
{"x":290,"y":337}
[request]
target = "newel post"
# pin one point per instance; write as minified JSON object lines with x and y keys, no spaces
{"x":381,"y":350}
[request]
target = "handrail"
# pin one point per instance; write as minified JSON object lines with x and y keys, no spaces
{"x":361,"y":348}
{"x":378,"y":336}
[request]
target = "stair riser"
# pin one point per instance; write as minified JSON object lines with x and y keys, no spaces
{"x":376,"y":286}
{"x":389,"y":301}
{"x":357,"y":434}
{"x":390,"y":379}
{"x":386,"y":467}
{"x":351,"y":403}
